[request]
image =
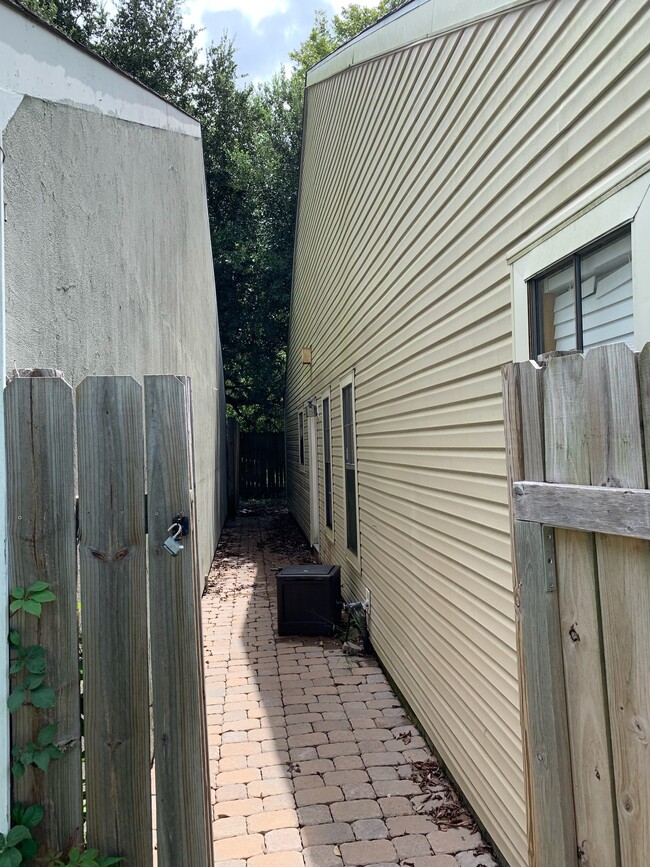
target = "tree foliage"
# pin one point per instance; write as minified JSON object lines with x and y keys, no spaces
{"x":258,"y":305}
{"x":329,"y":34}
{"x":251,"y":142}
{"x":147,"y":39}
{"x":83,"y":20}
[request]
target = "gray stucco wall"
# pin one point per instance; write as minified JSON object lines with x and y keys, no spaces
{"x":109,"y":266}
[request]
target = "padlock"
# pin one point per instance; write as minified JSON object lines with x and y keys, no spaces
{"x":171,"y":544}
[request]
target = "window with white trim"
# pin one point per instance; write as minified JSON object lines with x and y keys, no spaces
{"x":349,"y":467}
{"x":562,"y":319}
{"x":604,"y":249}
{"x":327,"y":464}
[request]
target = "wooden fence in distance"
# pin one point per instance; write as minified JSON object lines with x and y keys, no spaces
{"x":261,"y":466}
{"x":578,"y":444}
{"x":232,"y":463}
{"x":124,"y":613}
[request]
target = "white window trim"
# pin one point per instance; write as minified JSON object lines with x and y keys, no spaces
{"x":631,"y":204}
{"x":310,"y":415}
{"x":302,"y":464}
{"x":351,"y":557}
{"x":328,"y":531}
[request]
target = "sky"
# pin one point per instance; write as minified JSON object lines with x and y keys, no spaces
{"x":264,"y":31}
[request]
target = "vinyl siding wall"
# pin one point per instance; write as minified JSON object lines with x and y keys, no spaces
{"x":422,"y":170}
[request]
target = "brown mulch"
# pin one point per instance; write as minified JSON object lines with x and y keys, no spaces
{"x":279,"y":533}
{"x":284,"y":536}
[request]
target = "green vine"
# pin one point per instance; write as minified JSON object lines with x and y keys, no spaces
{"x":38,"y":754}
{"x":29,"y":664}
{"x":19,"y":845}
{"x":31,"y":599}
{"x":28,"y":671}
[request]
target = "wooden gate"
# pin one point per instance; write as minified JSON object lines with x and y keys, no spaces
{"x":578,"y":443}
{"x":261,"y":466}
{"x":139,"y":625}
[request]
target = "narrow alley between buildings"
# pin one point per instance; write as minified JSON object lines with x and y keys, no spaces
{"x":313,"y":761}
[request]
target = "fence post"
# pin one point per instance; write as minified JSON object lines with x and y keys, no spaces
{"x":112,"y":558}
{"x":39,"y":416}
{"x":515,"y":470}
{"x":182,"y":775}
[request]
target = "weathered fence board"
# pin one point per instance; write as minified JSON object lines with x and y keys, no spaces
{"x":261,"y":463}
{"x":513,"y":424}
{"x":201,"y":583}
{"x":567,"y":461}
{"x":644,"y":388}
{"x":615,"y":439}
{"x":544,"y":685}
{"x":183,"y":816}
{"x":39,"y":418}
{"x":532,"y":417}
{"x":617,"y":460}
{"x":586,"y":660}
{"x":621,"y":511}
{"x":112,"y":553}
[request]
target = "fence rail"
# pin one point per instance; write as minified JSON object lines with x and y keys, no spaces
{"x":579,"y":456}
{"x":124,"y":612}
{"x":261,"y":466}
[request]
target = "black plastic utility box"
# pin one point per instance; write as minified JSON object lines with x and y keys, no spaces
{"x":309,"y":599}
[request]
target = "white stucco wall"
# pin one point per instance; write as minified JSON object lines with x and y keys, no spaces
{"x":109,"y":266}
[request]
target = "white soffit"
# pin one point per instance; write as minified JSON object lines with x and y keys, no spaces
{"x":35,"y":61}
{"x":417,"y":20}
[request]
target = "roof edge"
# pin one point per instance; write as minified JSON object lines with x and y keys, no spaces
{"x":413,"y":22}
{"x":136,"y":101}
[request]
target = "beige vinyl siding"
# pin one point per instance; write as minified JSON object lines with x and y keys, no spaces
{"x":421,"y":169}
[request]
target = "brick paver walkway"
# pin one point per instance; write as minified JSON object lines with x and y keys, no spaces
{"x":313,"y":762}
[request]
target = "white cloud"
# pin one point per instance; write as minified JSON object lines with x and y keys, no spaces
{"x":254,"y":10}
{"x":262,"y":29}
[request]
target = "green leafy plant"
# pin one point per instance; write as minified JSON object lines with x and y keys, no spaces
{"x":78,"y":857}
{"x":30,"y":599}
{"x":18,"y":846}
{"x":31,"y":662}
{"x":39,"y":754}
{"x":31,"y":658}
{"x":31,"y":691}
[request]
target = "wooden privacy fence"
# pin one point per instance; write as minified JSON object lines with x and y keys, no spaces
{"x":232,"y":465}
{"x":261,"y":466}
{"x":578,"y":443}
{"x":137,"y":625}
